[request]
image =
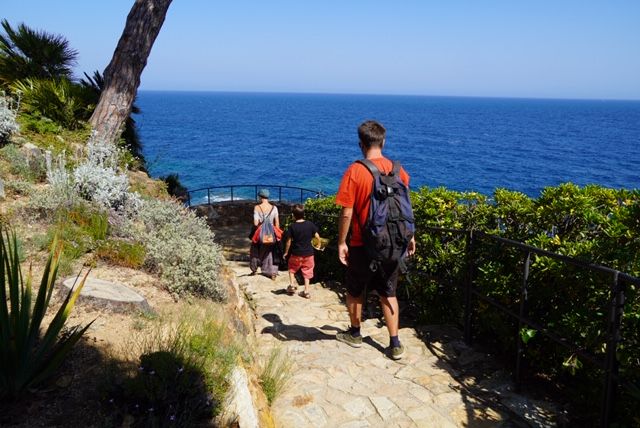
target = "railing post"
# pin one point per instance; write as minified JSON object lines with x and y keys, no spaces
{"x":279,"y":193}
{"x":231,"y":193}
{"x":255,"y":197}
{"x":611,"y":362}
{"x":208,"y":196}
{"x":301,"y":196}
{"x":467,"y":288}
{"x":523,"y":307}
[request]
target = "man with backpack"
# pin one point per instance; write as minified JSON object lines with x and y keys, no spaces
{"x":374,"y":197}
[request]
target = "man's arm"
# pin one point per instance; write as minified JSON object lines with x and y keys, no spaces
{"x":411,"y":248}
{"x":344,"y":222}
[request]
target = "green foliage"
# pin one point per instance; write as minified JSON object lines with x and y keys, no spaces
{"x":275,"y":374}
{"x":79,"y":229}
{"x":324,"y":213}
{"x":66,"y":103}
{"x":28,"y":167}
{"x":180,"y":248}
{"x":28,"y":358}
{"x":27,"y":53}
{"x":175,"y":187}
{"x":122,"y":253}
{"x":591,"y":223}
{"x":181,"y":379}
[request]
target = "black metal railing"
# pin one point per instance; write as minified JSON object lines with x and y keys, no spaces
{"x":249,"y":192}
{"x":615,"y":306}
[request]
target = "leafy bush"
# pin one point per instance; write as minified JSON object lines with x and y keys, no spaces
{"x":99,"y":178}
{"x":8,"y":124}
{"x":324,"y":213}
{"x":79,"y":229}
{"x":592,"y":223}
{"x":181,"y":379}
{"x":175,"y":187}
{"x":19,"y":187}
{"x":28,"y":358}
{"x":60,"y":100}
{"x":180,"y":248}
{"x":30,"y":166}
{"x":122,"y":253}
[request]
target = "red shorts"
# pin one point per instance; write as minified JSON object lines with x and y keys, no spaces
{"x":305,"y":263}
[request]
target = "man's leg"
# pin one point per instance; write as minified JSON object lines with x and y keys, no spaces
{"x":354,"y":306}
{"x":391,"y":314}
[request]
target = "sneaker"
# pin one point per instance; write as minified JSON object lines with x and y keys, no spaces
{"x":346,"y":337}
{"x":395,"y":352}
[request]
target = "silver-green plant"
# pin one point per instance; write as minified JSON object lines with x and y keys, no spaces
{"x":181,"y":249}
{"x":100,"y":178}
{"x":8,"y":113}
{"x":28,"y":358}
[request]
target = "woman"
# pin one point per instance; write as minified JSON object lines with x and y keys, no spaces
{"x":262,"y":254}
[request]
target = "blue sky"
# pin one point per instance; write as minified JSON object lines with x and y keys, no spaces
{"x":509,"y":48}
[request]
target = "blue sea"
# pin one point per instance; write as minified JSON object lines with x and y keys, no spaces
{"x":466,"y":144}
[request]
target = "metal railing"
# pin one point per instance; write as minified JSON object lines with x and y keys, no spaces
{"x":249,"y":192}
{"x":615,"y":306}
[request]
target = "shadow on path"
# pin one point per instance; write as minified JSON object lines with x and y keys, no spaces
{"x":285,"y":332}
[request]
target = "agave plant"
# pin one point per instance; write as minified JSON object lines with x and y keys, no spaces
{"x":28,"y":358}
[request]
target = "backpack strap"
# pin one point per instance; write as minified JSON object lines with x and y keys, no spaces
{"x":264,"y":217}
{"x":373,"y":169}
{"x":396,"y":167}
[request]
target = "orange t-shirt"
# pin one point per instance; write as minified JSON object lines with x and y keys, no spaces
{"x":355,"y":191}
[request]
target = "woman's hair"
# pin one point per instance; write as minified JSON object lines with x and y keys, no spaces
{"x":371,"y":134}
{"x":298,"y":211}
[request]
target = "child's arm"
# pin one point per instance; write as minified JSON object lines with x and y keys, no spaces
{"x":286,"y":246}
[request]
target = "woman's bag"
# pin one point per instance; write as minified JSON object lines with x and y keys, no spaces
{"x":252,"y":232}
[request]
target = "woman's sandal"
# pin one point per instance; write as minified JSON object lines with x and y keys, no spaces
{"x":305,"y":295}
{"x":291,"y":290}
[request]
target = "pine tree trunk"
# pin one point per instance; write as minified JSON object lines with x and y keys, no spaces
{"x":122,"y":75}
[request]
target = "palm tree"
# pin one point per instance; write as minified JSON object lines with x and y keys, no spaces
{"x":130,"y":135}
{"x":26,"y":53}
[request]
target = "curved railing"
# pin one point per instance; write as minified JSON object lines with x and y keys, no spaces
{"x":249,"y":192}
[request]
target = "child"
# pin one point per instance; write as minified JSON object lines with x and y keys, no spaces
{"x":299,"y":250}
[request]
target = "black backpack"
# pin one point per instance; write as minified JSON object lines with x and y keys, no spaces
{"x":390,"y":224}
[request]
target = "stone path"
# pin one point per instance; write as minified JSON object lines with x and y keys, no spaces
{"x":334,"y":385}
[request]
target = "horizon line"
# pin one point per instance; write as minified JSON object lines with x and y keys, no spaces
{"x":391,"y":95}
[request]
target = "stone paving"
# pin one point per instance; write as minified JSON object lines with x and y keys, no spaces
{"x":335,"y":385}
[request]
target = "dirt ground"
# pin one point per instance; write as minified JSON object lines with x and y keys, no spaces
{"x":76,"y":396}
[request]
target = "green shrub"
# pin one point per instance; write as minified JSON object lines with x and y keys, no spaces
{"x":60,"y":100}
{"x":122,"y":253}
{"x":27,"y":357}
{"x":591,"y":223}
{"x":30,"y":168}
{"x":19,"y":187}
{"x":180,"y":248}
{"x":324,"y":212}
{"x":79,"y":229}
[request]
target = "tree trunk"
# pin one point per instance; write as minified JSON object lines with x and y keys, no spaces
{"x":122,"y":75}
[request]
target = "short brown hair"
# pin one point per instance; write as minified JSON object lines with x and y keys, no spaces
{"x":298,"y":211}
{"x":371,"y":134}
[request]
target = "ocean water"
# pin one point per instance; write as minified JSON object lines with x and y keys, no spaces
{"x":307,"y":140}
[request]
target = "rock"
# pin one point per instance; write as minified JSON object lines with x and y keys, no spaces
{"x":111,"y":295}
